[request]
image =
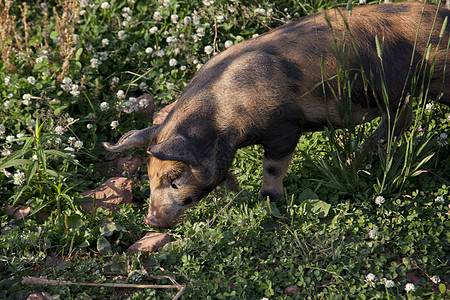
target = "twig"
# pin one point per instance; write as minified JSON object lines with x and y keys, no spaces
{"x":58,"y":282}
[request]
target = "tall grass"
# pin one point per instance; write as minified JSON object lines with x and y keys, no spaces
{"x":359,"y":164}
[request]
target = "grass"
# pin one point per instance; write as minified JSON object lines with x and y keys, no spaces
{"x":345,"y":228}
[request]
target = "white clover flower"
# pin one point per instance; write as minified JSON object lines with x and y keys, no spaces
{"x":173,"y":62}
{"x":209,"y":50}
{"x":187,"y":20}
{"x":66,"y":84}
{"x":170,"y":85}
{"x":6,"y":151}
{"x":228,"y":44}
{"x":439,"y":200}
{"x":143,"y":103}
{"x":410,"y":287}
{"x":95,"y":63}
{"x":255,"y":35}
{"x":2,"y":129}
{"x":183,"y":68}
{"x":78,"y":145}
{"x":105,"y":5}
{"x":7,"y":80}
{"x":114,"y":124}
{"x":171,"y":39}
{"x":10,"y":138}
{"x":7,"y":173}
{"x":429,"y":107}
{"x":40,"y":59}
{"x":160,"y":53}
{"x":104,"y":106}
{"x":370,"y":279}
{"x":220,"y":19}
{"x":373,"y":234}
{"x":143,"y":86}
{"x":19,"y":136}
{"x":199,"y":66}
{"x":74,"y":91}
{"x":19,"y":178}
{"x":26,"y":99}
{"x":34,"y":157}
{"x":362,"y":1}
{"x":120,"y":94}
{"x":260,"y":11}
{"x":89,"y":126}
{"x":201,"y":32}
{"x":174,"y":18}
{"x":153,"y":30}
{"x":31,"y":80}
{"x":127,"y":11}
{"x":442,"y":139}
{"x":105,"y":42}
{"x":387,"y":283}
{"x":122,"y":35}
{"x":115,"y":80}
{"x":59,"y":130}
{"x":149,"y":50}
{"x":435,"y":279}
{"x":157,"y":16}
{"x":379,"y":200}
{"x":208,"y":2}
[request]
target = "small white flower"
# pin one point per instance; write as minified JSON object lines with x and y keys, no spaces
{"x":187,"y":20}
{"x":174,"y":18}
{"x":160,"y":53}
{"x":143,"y":103}
{"x":19,"y":178}
{"x":379,"y":200}
{"x":115,"y":80}
{"x":173,"y":62}
{"x":34,"y":157}
{"x":149,"y":50}
{"x":209,"y":50}
{"x":78,"y":145}
{"x":74,"y":91}
{"x":31,"y":80}
{"x":442,"y":139}
{"x":373,"y":234}
{"x":40,"y":59}
{"x":170,"y":85}
{"x":157,"y":16}
{"x":228,"y":44}
{"x":19,"y":136}
{"x":143,"y":86}
{"x":105,"y":42}
{"x":429,"y":107}
{"x":409,"y":287}
{"x":7,"y":80}
{"x":370,"y":279}
{"x":89,"y":126}
{"x":104,"y":106}
{"x":26,"y":99}
{"x":183,"y":68}
{"x":439,"y":200}
{"x":2,"y":129}
{"x":120,"y":94}
{"x":114,"y":124}
{"x":122,"y":35}
{"x":6,"y":151}
{"x":220,"y":19}
{"x":10,"y":138}
{"x":435,"y":279}
{"x":153,"y":30}
{"x":95,"y":63}
{"x":208,"y":2}
{"x":105,"y":5}
{"x":59,"y":130}
{"x":387,"y":283}
{"x":7,"y":173}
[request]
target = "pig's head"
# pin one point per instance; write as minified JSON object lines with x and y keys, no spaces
{"x":177,"y":178}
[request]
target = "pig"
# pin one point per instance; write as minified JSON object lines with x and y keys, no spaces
{"x":270,"y":89}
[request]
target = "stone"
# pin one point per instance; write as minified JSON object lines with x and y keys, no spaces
{"x":151,"y":242}
{"x":114,"y":192}
{"x":292,"y":290}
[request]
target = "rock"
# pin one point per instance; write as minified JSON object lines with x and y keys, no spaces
{"x":115,"y":191}
{"x":145,"y":112}
{"x":151,"y":242}
{"x":36,"y":296}
{"x":292,"y":290}
{"x":160,"y":116}
{"x":130,"y":165}
{"x":19,"y":212}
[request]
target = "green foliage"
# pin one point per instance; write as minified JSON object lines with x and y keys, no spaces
{"x":75,"y":73}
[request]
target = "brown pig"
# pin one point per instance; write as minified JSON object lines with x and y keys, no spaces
{"x":270,"y":89}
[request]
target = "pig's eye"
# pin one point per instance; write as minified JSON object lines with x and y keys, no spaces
{"x":172,"y":178}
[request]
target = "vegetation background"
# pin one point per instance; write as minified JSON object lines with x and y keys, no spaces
{"x":70,"y":75}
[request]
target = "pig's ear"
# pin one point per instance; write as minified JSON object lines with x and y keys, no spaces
{"x":133,"y":139}
{"x":177,"y":149}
